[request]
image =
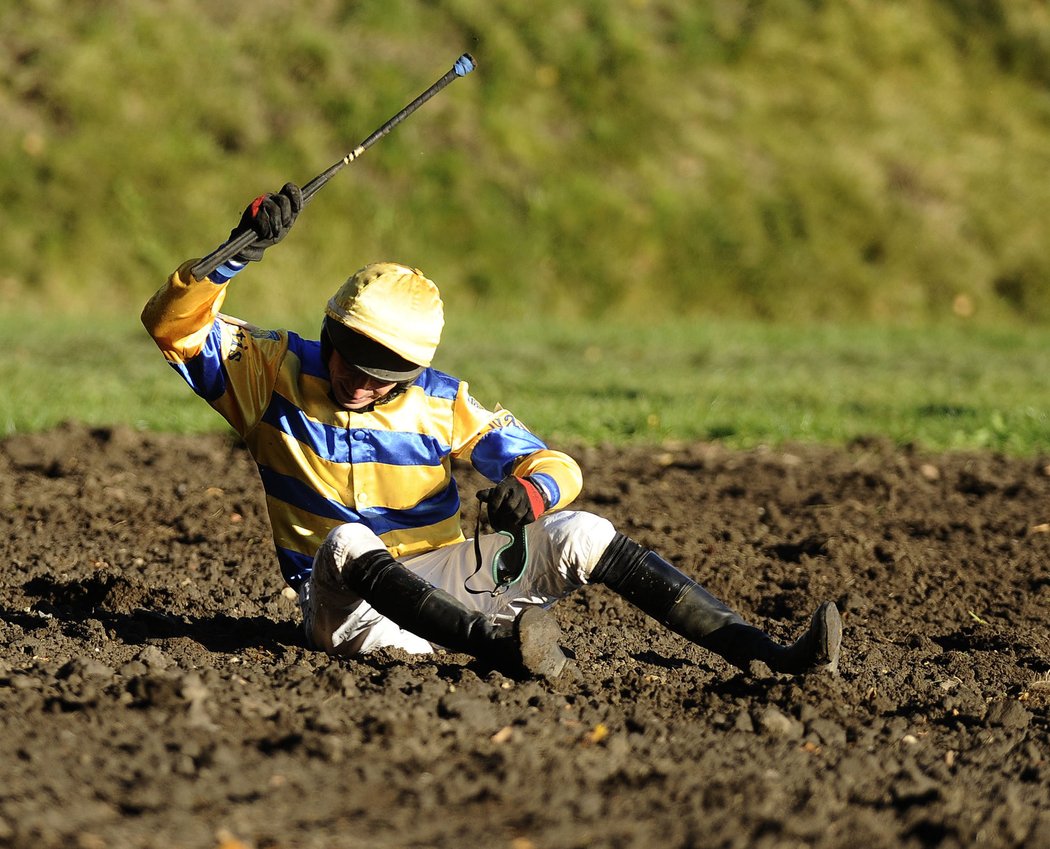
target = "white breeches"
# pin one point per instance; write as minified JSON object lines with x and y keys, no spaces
{"x":563,"y":549}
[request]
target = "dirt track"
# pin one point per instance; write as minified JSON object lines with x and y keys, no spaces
{"x":154,"y":691}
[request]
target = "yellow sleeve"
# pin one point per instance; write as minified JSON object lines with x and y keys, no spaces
{"x":231,"y":367}
{"x":550,"y":465}
{"x":180,"y":315}
{"x":498,"y":445}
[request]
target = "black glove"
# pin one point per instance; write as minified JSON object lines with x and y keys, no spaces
{"x":270,"y":217}
{"x":513,"y":503}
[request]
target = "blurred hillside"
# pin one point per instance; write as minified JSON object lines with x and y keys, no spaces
{"x":848,"y":160}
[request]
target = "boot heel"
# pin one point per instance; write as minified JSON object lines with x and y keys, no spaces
{"x":817,"y":650}
{"x":537,"y":634}
{"x":828,"y":621}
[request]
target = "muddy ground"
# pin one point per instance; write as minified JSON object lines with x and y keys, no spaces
{"x":155,"y":692}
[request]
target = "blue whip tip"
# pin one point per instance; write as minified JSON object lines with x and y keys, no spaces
{"x":464,"y":65}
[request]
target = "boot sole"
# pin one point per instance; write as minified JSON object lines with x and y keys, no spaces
{"x":831,"y":642}
{"x":538,"y":634}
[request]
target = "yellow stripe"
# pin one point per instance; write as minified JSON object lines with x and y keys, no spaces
{"x":312,"y":393}
{"x":418,"y":540}
{"x":398,"y":487}
{"x":303,"y":532}
{"x":296,"y":529}
{"x":415,"y":412}
{"x":359,"y":485}
{"x":287,"y":456}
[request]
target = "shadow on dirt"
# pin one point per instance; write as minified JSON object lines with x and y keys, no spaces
{"x":74,"y":603}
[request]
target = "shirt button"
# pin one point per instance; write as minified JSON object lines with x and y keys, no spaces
{"x":362,"y":498}
{"x":359,"y":434}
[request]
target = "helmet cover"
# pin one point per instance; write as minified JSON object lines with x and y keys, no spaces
{"x":395,"y":307}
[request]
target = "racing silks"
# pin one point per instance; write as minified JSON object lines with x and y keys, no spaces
{"x":388,"y":467}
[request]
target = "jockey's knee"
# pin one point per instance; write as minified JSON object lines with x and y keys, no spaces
{"x":343,"y":545}
{"x":326,"y":587}
{"x":351,"y":540}
{"x":578,"y":540}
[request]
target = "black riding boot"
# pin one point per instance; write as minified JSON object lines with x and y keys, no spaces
{"x":529,"y":644}
{"x":659,"y":589}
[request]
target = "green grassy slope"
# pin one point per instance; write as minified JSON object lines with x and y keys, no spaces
{"x":863,"y":160}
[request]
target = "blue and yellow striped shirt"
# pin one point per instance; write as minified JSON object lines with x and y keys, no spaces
{"x":320,"y":465}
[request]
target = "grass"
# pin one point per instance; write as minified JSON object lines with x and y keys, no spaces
{"x":740,"y":383}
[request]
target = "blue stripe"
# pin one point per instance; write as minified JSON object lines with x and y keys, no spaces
{"x":309,"y":353}
{"x":380,"y":519}
{"x":227,"y":271}
{"x":358,"y":445}
{"x":442,"y":506}
{"x":293,"y":491}
{"x":437,"y":384}
{"x":397,"y":448}
{"x":549,"y":484}
{"x":206,"y":372}
{"x":496,"y":451}
{"x":327,"y":442}
{"x":295,"y":567}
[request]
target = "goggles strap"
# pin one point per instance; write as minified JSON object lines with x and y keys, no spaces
{"x":508,"y":563}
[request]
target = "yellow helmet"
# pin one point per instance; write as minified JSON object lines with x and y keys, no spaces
{"x":397,"y":310}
